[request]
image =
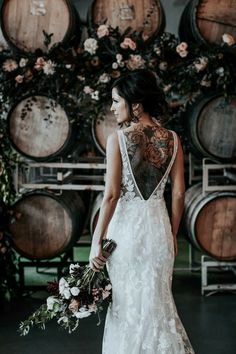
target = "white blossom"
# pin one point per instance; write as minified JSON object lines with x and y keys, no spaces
{"x":64,"y":289}
{"x":74,"y":291}
{"x":23,"y":62}
{"x":82,"y":313}
{"x":74,"y":267}
{"x":91,"y":45}
{"x":51,"y":300}
{"x":104,"y":78}
{"x":49,"y":67}
{"x":87,"y":90}
{"x":95,"y":95}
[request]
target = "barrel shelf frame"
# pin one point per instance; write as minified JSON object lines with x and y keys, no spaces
{"x":207,"y":166}
{"x":58,"y":263}
{"x":207,"y":263}
{"x":66,"y":175}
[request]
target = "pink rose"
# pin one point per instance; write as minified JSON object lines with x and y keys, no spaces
{"x":128,"y":43}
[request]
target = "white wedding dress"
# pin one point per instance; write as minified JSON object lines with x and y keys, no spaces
{"x":142,"y":318}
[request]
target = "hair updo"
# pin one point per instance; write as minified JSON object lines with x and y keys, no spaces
{"x":140,"y":86}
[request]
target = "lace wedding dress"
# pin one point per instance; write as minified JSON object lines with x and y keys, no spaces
{"x":142,"y":318}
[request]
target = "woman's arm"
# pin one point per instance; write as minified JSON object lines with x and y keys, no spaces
{"x":178,"y":192}
{"x":111,"y":196}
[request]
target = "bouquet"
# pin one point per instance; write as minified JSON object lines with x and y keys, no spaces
{"x":75,"y":296}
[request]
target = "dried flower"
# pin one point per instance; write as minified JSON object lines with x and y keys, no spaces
{"x":201,"y":64}
{"x":9,"y":65}
{"x":102,"y":31}
{"x":228,"y":39}
{"x":40,"y":62}
{"x":163,"y":66}
{"x":128,"y":43}
{"x":183,"y":53}
{"x":115,"y":74}
{"x":19,"y":79}
{"x":95,"y":61}
{"x":135,"y":62}
{"x":91,"y":45}
{"x":181,"y":47}
{"x":28,"y":75}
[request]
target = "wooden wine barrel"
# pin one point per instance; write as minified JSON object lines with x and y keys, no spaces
{"x":48,"y":225}
{"x":210,"y":221}
{"x":206,"y":21}
{"x":40,"y":128}
{"x":102,"y":128}
{"x":95,"y":212}
{"x":211,"y":127}
{"x":141,"y":15}
{"x":24,"y":21}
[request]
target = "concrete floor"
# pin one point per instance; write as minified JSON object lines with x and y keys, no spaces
{"x":209,"y":321}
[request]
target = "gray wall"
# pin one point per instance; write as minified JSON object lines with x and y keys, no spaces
{"x":172,"y":9}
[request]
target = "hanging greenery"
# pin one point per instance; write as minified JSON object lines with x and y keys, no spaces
{"x":85,"y":75}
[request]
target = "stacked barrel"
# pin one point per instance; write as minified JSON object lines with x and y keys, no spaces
{"x":41,"y":129}
{"x":210,"y":218}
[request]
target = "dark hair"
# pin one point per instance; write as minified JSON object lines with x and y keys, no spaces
{"x":140,"y":86}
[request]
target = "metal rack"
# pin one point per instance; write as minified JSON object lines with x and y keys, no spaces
{"x":88,"y":174}
{"x":206,"y":264}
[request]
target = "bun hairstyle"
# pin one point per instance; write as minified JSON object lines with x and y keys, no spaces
{"x":141,"y":86}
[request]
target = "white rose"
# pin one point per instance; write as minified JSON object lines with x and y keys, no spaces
{"x":51,"y":300}
{"x":91,"y":45}
{"x":82,"y":313}
{"x":23,"y":62}
{"x":74,"y":291}
{"x":114,"y":65}
{"x":102,"y":31}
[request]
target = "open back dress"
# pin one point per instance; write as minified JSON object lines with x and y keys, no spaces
{"x":142,"y":318}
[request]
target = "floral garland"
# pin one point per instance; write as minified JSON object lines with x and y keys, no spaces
{"x":80,"y":79}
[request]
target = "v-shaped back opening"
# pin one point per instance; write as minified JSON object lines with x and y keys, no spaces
{"x":165,"y":174}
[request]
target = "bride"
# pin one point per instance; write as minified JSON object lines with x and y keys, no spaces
{"x":142,"y":318}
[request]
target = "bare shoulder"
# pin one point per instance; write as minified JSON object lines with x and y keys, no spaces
{"x":112,"y":138}
{"x":112,"y":142}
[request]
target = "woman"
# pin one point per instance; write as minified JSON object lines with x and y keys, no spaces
{"x":142,"y":318}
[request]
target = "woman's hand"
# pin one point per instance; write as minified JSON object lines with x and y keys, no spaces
{"x":96,"y":258}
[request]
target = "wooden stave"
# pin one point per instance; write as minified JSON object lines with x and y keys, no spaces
{"x":73,"y":205}
{"x":71,"y":37}
{"x":195,"y":201}
{"x":193,"y":111}
{"x":100,"y":145}
{"x":193,"y":34}
{"x":160,"y":30}
{"x":64,"y":149}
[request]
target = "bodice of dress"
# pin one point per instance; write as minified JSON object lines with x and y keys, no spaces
{"x":148,"y":154}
